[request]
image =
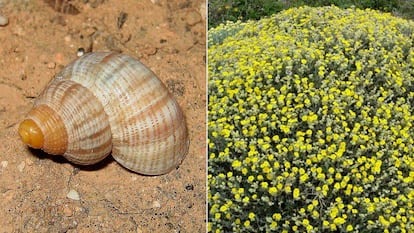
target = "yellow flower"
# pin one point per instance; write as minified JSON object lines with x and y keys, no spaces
{"x":383,"y":221}
{"x":251,"y":216}
{"x":277,"y":217}
{"x":273,"y":225}
{"x":236,"y":164}
{"x":334,"y":212}
{"x":246,"y":223}
{"x":296,"y":193}
{"x":223,"y":208}
{"x":339,"y":221}
{"x":288,"y":189}
{"x":303,"y":178}
{"x":217,"y":216}
{"x":272,"y":190}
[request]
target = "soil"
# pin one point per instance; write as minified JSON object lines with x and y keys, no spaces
{"x":41,"y":193}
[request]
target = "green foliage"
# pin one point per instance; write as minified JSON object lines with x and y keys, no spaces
{"x":310,"y":123}
{"x":233,"y":10}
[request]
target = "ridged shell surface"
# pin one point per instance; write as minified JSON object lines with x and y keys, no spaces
{"x":79,"y":121}
{"x":110,"y":101}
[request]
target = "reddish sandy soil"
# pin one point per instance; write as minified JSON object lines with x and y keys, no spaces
{"x":38,"y":41}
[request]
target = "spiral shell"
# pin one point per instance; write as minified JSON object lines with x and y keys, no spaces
{"x":105,"y":102}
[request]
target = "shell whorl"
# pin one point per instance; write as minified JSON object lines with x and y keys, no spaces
{"x":72,"y":122}
{"x":44,"y":129}
{"x":110,"y":101}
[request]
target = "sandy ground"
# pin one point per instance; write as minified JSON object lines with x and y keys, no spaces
{"x":38,"y":41}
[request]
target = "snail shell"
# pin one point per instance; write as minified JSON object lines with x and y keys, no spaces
{"x":105,"y":102}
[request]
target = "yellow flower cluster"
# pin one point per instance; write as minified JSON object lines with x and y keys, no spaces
{"x":311,"y":123}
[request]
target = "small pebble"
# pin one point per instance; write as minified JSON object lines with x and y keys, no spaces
{"x":73,"y":194}
{"x":29,"y":162}
{"x":51,"y":65}
{"x":67,"y":38}
{"x":81,"y":52}
{"x":59,"y":202}
{"x":21,"y":166}
{"x":4,"y":20}
{"x":4,"y":164}
{"x":18,"y":30}
{"x":67,"y":211}
{"x":189,"y":187}
{"x":156,"y":204}
{"x":60,"y":58}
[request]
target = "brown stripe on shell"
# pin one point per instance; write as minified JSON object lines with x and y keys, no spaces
{"x":140,"y":143}
{"x":89,"y":134}
{"x":152,"y":113}
{"x":90,"y":156}
{"x":159,"y":140}
{"x":109,"y":57}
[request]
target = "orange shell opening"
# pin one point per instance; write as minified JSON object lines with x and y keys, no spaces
{"x":31,"y":134}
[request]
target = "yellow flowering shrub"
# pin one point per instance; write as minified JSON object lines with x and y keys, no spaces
{"x":311,"y":123}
